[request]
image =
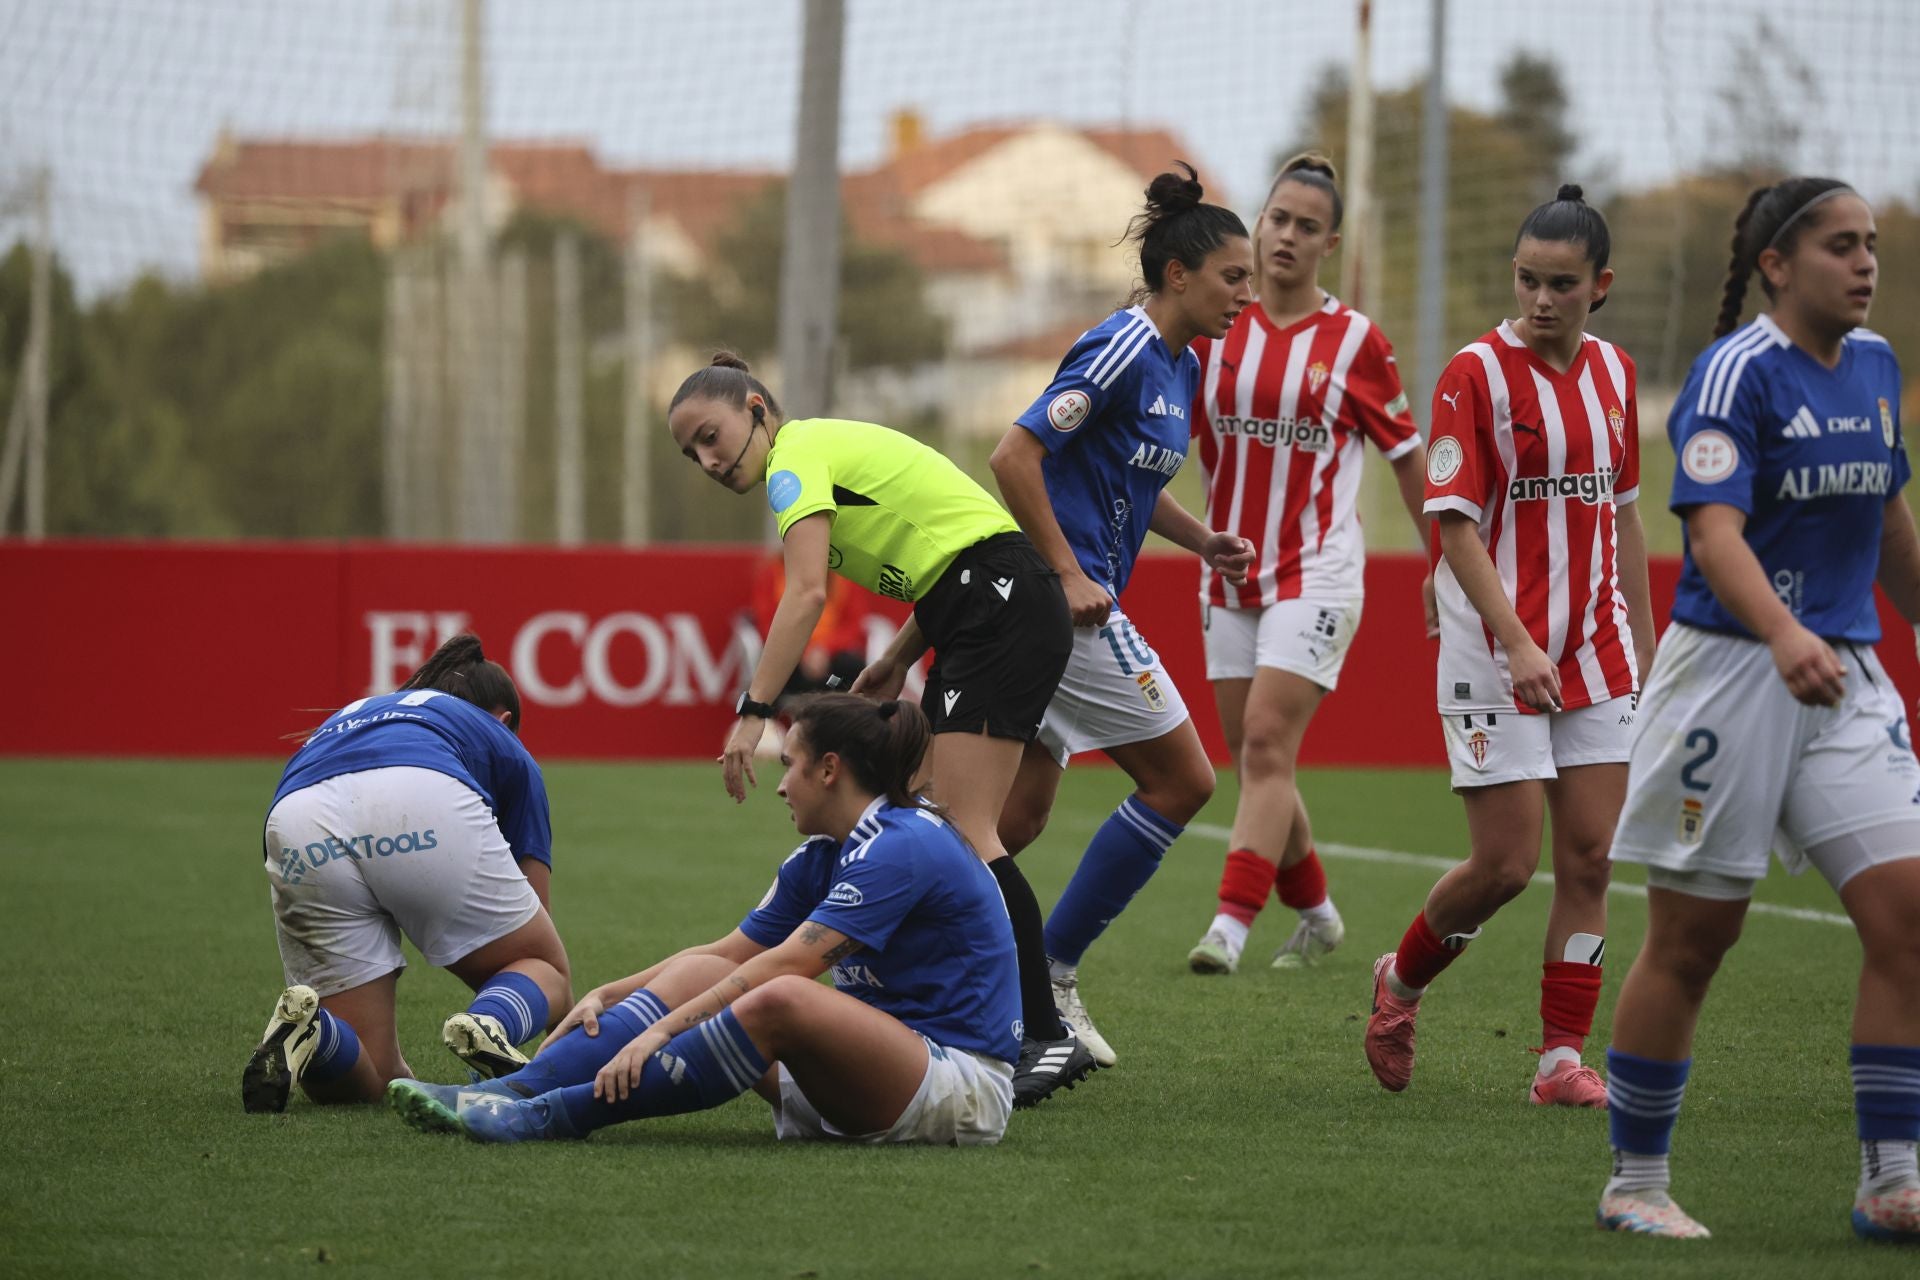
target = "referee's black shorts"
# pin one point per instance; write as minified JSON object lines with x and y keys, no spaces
{"x":1001,"y":634}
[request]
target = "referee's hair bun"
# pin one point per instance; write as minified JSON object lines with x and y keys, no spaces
{"x":1571,"y":191}
{"x":728,"y":360}
{"x":888,"y":710}
{"x":1171,"y":193}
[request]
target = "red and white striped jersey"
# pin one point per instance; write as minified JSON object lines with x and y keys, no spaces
{"x":1540,"y":459}
{"x":1279,"y":417}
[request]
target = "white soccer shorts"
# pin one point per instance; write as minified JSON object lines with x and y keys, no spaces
{"x":1114,"y":692}
{"x":1309,"y":639}
{"x":1486,"y":748}
{"x":358,"y":860}
{"x":1728,"y":766}
{"x":964,"y":1100}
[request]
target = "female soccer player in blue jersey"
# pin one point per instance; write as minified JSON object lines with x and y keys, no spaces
{"x":1084,"y":470}
{"x":914,"y":1041}
{"x":417,"y":812}
{"x":881,"y":509}
{"x":1767,"y":719}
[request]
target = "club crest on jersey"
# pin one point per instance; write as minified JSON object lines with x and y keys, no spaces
{"x":1150,"y":690}
{"x":1709,"y":457}
{"x":1477,"y":744}
{"x":1444,"y":460}
{"x":1068,"y":410}
{"x":1693,"y":819}
{"x":1316,"y":376}
{"x":1618,"y":421}
{"x":1886,"y":422}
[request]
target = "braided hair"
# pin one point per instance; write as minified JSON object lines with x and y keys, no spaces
{"x":460,"y":668}
{"x":1772,"y":218}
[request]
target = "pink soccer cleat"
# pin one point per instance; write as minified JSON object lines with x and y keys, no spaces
{"x":1570,"y":1084}
{"x":1892,"y":1216}
{"x":1390,"y":1031}
{"x":1648,"y":1213}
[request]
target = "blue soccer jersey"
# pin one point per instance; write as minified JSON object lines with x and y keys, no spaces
{"x":1810,"y":454}
{"x":1114,"y":423}
{"x":427,"y":729}
{"x":936,"y":944}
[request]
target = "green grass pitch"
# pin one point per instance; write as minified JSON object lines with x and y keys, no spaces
{"x":1241,"y":1133}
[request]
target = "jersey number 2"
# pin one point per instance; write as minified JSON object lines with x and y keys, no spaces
{"x":1707,"y":743}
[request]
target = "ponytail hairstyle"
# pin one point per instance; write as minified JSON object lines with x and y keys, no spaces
{"x":728,"y":380}
{"x":1175,"y":224}
{"x":1312,"y":169}
{"x":1569,"y":219}
{"x":1773,"y":218}
{"x":459,"y":667}
{"x":882,"y":743}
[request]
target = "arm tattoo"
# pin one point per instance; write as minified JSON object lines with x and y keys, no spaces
{"x":846,"y":947}
{"x":741,"y":983}
{"x":811,"y":933}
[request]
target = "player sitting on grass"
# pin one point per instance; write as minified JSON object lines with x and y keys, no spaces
{"x":915,"y":1040}
{"x":414,"y":812}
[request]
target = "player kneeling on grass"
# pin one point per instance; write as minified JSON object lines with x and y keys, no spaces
{"x":915,"y":1040}
{"x":414,"y":812}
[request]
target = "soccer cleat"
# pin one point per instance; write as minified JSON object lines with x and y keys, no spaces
{"x":1066,"y":1001}
{"x":1046,"y":1065}
{"x":1891,"y":1216}
{"x":479,"y":1040}
{"x":1312,"y":938}
{"x":430,"y":1108}
{"x":1389,"y":1040}
{"x":1648,"y":1213}
{"x":488,"y":1117}
{"x":1214,"y":953}
{"x":286,"y":1046}
{"x":1569,"y":1084}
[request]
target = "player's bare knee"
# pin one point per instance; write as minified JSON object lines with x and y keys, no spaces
{"x":1266,"y":751}
{"x":1020,"y":828}
{"x":776,"y":1006}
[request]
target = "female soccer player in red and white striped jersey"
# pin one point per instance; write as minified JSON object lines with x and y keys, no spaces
{"x":1288,"y":400}
{"x":1533,"y":465}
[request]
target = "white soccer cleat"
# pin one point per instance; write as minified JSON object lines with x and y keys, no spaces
{"x":1648,"y":1213}
{"x":1312,"y":938}
{"x":286,"y":1046}
{"x":1892,"y":1215}
{"x":1214,"y":953}
{"x":479,"y":1040}
{"x":1066,"y":999}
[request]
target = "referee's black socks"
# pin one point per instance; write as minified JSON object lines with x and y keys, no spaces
{"x":1029,"y":943}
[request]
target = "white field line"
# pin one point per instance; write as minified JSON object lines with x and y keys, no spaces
{"x":1360,"y":853}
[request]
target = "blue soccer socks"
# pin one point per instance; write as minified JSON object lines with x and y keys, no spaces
{"x":1122,"y":856}
{"x":516,"y":1002}
{"x":700,"y":1068}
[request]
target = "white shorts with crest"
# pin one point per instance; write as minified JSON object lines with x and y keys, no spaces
{"x":1115,"y":691}
{"x":1727,"y":766}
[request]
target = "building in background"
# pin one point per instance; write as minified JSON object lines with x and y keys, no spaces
{"x":1014,"y":229}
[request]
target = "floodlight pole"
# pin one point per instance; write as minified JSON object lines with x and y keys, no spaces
{"x":810,"y":262}
{"x":1430,"y":322}
{"x":1356,"y":251}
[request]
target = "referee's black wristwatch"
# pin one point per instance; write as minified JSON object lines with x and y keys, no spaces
{"x":748,"y":707}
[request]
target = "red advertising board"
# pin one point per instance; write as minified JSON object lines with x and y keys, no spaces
{"x":169,"y":649}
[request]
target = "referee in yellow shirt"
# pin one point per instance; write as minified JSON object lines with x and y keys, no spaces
{"x":900,"y":519}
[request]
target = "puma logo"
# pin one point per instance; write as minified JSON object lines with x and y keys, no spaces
{"x":1004,"y":586}
{"x":1535,"y":432}
{"x":1452,"y":398}
{"x":951,"y":696}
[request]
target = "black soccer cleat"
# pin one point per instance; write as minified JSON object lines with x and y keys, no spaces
{"x":286,"y":1046}
{"x":1046,"y":1065}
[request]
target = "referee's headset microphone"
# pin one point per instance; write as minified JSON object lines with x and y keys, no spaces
{"x":759,"y":422}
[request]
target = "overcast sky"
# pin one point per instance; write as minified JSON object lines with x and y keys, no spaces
{"x":124,"y":98}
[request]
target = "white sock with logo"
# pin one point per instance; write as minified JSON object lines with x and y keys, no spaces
{"x":1887,"y":1164}
{"x":1635,"y":1173}
{"x":1232,"y":930}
